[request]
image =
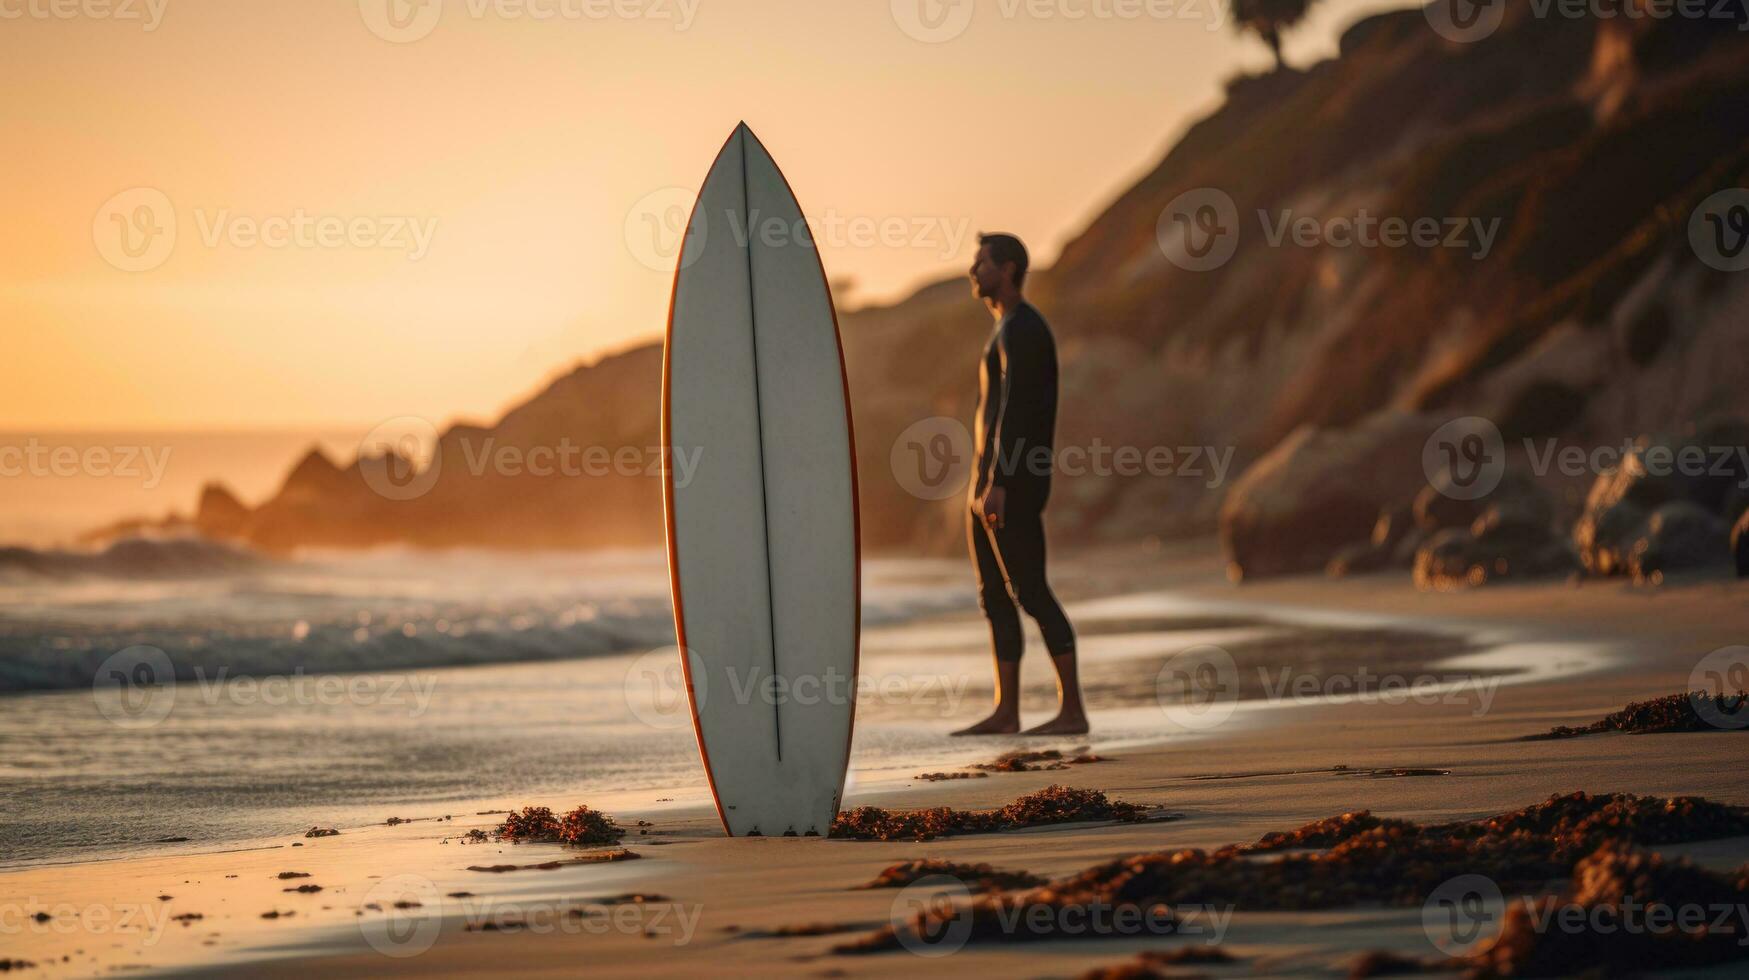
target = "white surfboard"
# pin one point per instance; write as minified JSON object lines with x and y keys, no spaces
{"x":763,"y":542}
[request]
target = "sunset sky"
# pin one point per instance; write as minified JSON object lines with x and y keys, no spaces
{"x":475,"y":198}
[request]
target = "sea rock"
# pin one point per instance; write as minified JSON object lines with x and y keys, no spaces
{"x":1701,"y":473}
{"x":220,"y":514}
{"x":1512,"y":539}
{"x":1318,"y":490}
{"x":1740,"y":544}
{"x":1395,"y":538}
{"x":1437,"y":507}
{"x":1680,"y":536}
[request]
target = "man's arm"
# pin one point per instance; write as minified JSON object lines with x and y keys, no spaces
{"x":1024,"y":375}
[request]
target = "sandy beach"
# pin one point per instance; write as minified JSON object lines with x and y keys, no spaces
{"x":706,"y":902}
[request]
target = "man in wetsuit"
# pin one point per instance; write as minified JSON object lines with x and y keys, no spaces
{"x":1015,"y":432}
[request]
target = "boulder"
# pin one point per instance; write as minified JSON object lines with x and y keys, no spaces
{"x":1511,"y":540}
{"x":1740,"y":544}
{"x":220,"y":514}
{"x":1357,"y":558}
{"x":1702,"y":474}
{"x":1681,"y":536}
{"x":1319,"y":490}
{"x":1435,"y":508}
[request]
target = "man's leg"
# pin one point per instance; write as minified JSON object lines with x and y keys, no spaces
{"x":1006,"y":638}
{"x":1021,"y":550}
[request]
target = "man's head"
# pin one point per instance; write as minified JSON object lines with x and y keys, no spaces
{"x":999,"y":265}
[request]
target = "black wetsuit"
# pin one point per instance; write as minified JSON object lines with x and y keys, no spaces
{"x":1016,"y":434}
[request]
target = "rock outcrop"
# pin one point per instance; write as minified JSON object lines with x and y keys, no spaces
{"x":1565,"y":301}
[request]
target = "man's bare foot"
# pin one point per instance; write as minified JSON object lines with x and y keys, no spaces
{"x":1000,"y":723}
{"x":1063,"y":724}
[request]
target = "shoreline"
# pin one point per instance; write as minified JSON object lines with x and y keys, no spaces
{"x":1122,"y":633}
{"x":1232,"y":784}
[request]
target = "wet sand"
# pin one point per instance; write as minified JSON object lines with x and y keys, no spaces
{"x":711,"y":903}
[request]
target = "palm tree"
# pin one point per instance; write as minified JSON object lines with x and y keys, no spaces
{"x":1269,"y":18}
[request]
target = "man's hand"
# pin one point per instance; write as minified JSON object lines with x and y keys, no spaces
{"x":993,"y":507}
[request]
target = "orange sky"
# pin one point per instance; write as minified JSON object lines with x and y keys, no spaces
{"x":430,"y":225}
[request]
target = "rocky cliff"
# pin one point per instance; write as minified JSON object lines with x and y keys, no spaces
{"x":1561,"y":160}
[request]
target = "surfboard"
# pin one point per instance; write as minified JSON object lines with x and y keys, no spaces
{"x":763,"y":537}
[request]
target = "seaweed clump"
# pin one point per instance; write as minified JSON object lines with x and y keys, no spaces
{"x":1053,"y":804}
{"x":1146,"y":966}
{"x":1327,"y":832}
{"x":978,"y":877}
{"x":1596,"y":916}
{"x":1700,"y":711}
{"x":1390,"y":862}
{"x":581,"y":827}
{"x":1036,"y":761}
